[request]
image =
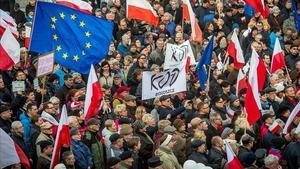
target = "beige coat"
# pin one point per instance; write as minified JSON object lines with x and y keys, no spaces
{"x":168,"y":158}
{"x":41,"y":137}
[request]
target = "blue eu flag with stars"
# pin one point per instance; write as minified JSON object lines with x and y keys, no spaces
{"x":78,"y":39}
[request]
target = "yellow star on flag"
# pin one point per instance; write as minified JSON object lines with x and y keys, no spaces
{"x":58,"y":48}
{"x":75,"y":57}
{"x":65,"y":55}
{"x":82,"y":24}
{"x":88,"y":45}
{"x":52,"y":26}
{"x":83,"y":53}
{"x":53,"y":19}
{"x":73,"y":17}
{"x":62,"y":15}
{"x":55,"y":37}
{"x":87,"y":34}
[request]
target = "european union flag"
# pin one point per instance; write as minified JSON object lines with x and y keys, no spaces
{"x":296,"y":14}
{"x":78,"y":39}
{"x":205,"y":60}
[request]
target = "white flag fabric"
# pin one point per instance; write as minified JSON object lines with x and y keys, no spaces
{"x":8,"y":152}
{"x":164,"y":83}
{"x":178,"y":54}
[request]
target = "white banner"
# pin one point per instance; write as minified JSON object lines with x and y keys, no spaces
{"x":164,"y":83}
{"x":177,"y":55}
{"x":45,"y":64}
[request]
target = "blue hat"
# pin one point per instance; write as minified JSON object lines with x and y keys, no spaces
{"x":235,"y":25}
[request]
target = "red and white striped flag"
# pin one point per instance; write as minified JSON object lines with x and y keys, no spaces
{"x":252,"y":100}
{"x":259,"y":7}
{"x":63,"y":137}
{"x":276,"y":126}
{"x":9,"y":50}
{"x":233,"y":161}
{"x":241,"y":82}
{"x":292,"y":116}
{"x":27,"y":36}
{"x":77,"y":4}
{"x":10,"y":152}
{"x":141,"y":10}
{"x":189,"y":15}
{"x":278,"y":61}
{"x":235,"y":51}
{"x":7,"y":21}
{"x":93,"y":95}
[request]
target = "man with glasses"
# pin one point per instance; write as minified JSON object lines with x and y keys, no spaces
{"x":48,"y":114}
{"x":214,"y":128}
{"x":46,"y":134}
{"x":5,"y":117}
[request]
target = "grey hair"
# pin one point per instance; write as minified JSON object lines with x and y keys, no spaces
{"x":53,"y":98}
{"x":15,"y":124}
{"x":271,"y":159}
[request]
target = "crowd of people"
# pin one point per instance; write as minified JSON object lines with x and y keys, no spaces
{"x":182,"y":130}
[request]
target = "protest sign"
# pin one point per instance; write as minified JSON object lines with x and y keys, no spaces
{"x":45,"y":64}
{"x":18,"y":86}
{"x":178,"y":54}
{"x":164,"y":83}
{"x":36,"y":84}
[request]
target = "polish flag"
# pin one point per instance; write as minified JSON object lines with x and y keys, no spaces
{"x":292,"y":116}
{"x":63,"y":137}
{"x":233,"y":161}
{"x":276,"y":126}
{"x":141,"y":10}
{"x":7,"y":21}
{"x":278,"y":61}
{"x":77,"y":4}
{"x":189,"y":15}
{"x":259,"y":7}
{"x":9,"y":50}
{"x":235,"y":51}
{"x":27,"y":36}
{"x":10,"y":152}
{"x":93,"y":95}
{"x":252,"y":100}
{"x":241,"y":82}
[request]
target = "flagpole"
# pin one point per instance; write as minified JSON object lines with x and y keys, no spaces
{"x":43,"y":82}
{"x":288,"y":74}
{"x":208,"y":76}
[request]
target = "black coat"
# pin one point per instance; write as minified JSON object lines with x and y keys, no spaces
{"x":146,"y":148}
{"x":43,"y":163}
{"x":217,"y":157}
{"x":210,"y":133}
{"x":20,"y":142}
{"x":201,"y":158}
{"x":292,"y":155}
{"x":62,"y":93}
{"x":164,"y":112}
{"x":5,"y":125}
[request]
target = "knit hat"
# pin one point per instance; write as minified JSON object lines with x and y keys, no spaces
{"x":93,"y":121}
{"x":4,"y":108}
{"x":122,"y":89}
{"x":197,"y":143}
{"x":74,"y":131}
{"x":178,"y":123}
{"x":226,"y":132}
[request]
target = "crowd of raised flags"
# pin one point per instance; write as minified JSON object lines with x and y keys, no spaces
{"x":135,"y":99}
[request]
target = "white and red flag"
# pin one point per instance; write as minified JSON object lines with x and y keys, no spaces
{"x":278,"y":61}
{"x":10,"y":152}
{"x":27,"y":36}
{"x":77,"y":4}
{"x":259,"y":7}
{"x":241,"y":82}
{"x":7,"y":21}
{"x":276,"y":126}
{"x":63,"y":137}
{"x":93,"y":95}
{"x":141,"y":10}
{"x":9,"y":50}
{"x":292,"y":116}
{"x":189,"y":15}
{"x":232,"y":160}
{"x":252,"y":100}
{"x":235,"y":51}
